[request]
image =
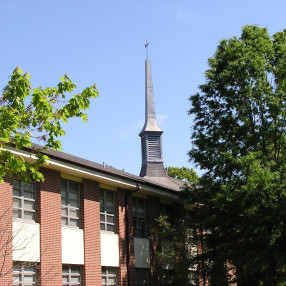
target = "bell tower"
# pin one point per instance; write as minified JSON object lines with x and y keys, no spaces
{"x":151,"y":134}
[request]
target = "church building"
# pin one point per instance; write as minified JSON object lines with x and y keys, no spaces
{"x":88,"y":224}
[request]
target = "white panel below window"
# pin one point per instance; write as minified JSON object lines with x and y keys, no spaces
{"x":109,"y":249}
{"x":142,"y":252}
{"x":72,"y":246}
{"x":26,"y":241}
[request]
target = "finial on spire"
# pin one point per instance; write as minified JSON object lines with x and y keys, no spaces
{"x":146,"y":47}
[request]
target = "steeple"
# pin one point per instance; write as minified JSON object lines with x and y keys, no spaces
{"x":151,"y":141}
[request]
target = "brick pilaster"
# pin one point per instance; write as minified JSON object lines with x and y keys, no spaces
{"x":91,"y":226}
{"x":6,"y":218}
{"x":49,"y":215}
{"x":121,"y":230}
{"x":130,"y":239}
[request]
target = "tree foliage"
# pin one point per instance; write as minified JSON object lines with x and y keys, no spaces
{"x":183,"y":173}
{"x":239,"y":138}
{"x":28,"y":114}
{"x":174,"y":258}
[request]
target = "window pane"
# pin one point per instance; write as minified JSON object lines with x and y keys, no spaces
{"x":75,"y":279}
{"x":64,"y":202}
{"x":16,"y":203}
{"x":29,"y":278}
{"x":73,"y":203}
{"x":112,"y":271}
{"x":64,"y":184}
{"x":111,"y":279}
{"x":102,"y":218}
{"x":109,"y":204}
{"x":16,"y":278}
{"x":74,"y":222}
{"x":29,"y":195}
{"x":109,"y":210}
{"x":64,"y":221}
{"x":29,"y":205}
{"x":28,"y":186}
{"x":65,"y":269}
{"x":65,"y":279}
{"x":64,"y":211}
{"x":16,"y":184}
{"x":73,"y":186}
{"x":16,"y":192}
{"x":29,"y":269}
{"x":110,"y":227}
{"x":73,"y":196}
{"x":102,"y":226}
{"x":16,"y":214}
{"x":29,"y":215}
{"x":110,"y":219}
{"x":109,"y":196}
{"x":75,"y":270}
{"x":74,"y":213}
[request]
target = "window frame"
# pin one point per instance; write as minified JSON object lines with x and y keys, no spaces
{"x":70,"y":275}
{"x":138,"y":216}
{"x":21,"y":273}
{"x":24,"y":199}
{"x":68,"y":207}
{"x":105,"y":274}
{"x":104,"y":213}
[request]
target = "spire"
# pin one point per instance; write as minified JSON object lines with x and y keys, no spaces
{"x":150,"y":115}
{"x":151,"y":141}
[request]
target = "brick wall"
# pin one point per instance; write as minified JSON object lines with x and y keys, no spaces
{"x":130,"y":233}
{"x":91,"y":226}
{"x":49,"y":217}
{"x":6,"y":262}
{"x":121,"y":230}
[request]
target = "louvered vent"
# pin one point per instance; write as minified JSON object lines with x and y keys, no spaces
{"x":154,"y":148}
{"x":143,"y":148}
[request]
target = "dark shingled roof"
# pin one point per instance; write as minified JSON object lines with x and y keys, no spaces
{"x":167,"y":183}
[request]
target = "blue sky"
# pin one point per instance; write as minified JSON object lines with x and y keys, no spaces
{"x":103,"y":42}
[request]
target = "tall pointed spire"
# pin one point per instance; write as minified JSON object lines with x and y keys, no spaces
{"x":150,"y":115}
{"x":151,"y":141}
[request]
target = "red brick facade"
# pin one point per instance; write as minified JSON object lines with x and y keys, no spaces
{"x":6,"y":265}
{"x":121,"y":230}
{"x":91,"y":226}
{"x":49,"y":216}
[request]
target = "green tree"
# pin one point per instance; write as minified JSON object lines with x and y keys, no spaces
{"x":175,"y":248}
{"x":183,"y":173}
{"x":239,"y":139}
{"x":38,"y":114}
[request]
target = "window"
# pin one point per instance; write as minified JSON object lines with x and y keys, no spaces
{"x":24,"y":275}
{"x":139,"y":217}
{"x":107,"y":207}
{"x":166,"y":211}
{"x":108,"y":276}
{"x":70,"y":203}
{"x":71,"y":275}
{"x":24,"y":200}
{"x":142,"y":277}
